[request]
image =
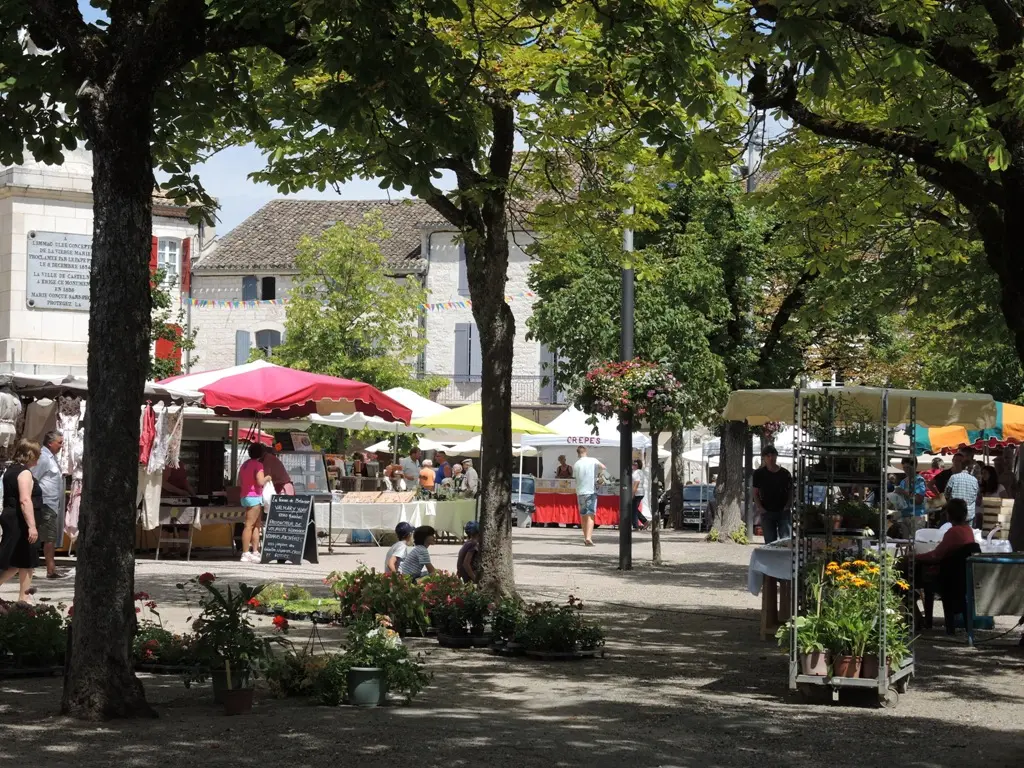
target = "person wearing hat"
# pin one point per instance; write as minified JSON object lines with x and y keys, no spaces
{"x":468,"y":564}
{"x":393,"y":559}
{"x":773,"y":496}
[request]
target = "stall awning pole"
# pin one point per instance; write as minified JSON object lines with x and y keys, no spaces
{"x":234,"y":452}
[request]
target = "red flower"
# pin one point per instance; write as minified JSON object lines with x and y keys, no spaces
{"x":151,"y":605}
{"x":206,"y":579}
{"x":152,"y":644}
{"x":254,"y":603}
{"x":71,"y":611}
{"x":138,"y":610}
{"x":281,"y":623}
{"x":140,"y":596}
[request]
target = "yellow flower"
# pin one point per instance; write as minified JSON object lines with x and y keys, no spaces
{"x":860,"y":563}
{"x":832,"y":567}
{"x":873,"y":569}
{"x":845,"y":566}
{"x":860,"y":583}
{"x":902,"y":584}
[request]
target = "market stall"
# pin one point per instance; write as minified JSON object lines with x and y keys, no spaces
{"x":555,"y":498}
{"x":380,"y":512}
{"x":844,"y":438}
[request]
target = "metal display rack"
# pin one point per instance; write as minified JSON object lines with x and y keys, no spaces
{"x":826,"y":460}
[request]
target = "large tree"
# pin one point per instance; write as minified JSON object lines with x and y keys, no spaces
{"x":935,"y":86}
{"x":473,"y":78}
{"x":140,"y":87}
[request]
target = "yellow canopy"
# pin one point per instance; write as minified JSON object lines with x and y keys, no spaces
{"x":936,"y":409}
{"x":469,"y":418}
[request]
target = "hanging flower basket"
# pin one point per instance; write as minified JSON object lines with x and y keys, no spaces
{"x":638,"y":391}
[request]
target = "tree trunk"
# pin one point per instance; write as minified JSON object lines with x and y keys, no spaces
{"x":678,"y":479}
{"x":655,"y":517}
{"x":729,"y":490}
{"x":100,"y":683}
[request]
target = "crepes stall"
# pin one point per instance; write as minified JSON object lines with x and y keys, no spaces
{"x":555,"y":497}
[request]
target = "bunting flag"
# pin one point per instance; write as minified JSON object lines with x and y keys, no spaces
{"x":233,"y":303}
{"x":441,"y":306}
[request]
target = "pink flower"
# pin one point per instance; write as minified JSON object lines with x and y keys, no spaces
{"x":140,"y":596}
{"x":206,"y":579}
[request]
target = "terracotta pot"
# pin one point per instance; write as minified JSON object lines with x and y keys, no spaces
{"x":815,"y":663}
{"x":869,"y":667}
{"x":846,"y":666}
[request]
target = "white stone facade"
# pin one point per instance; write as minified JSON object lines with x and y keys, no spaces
{"x":40,"y":198}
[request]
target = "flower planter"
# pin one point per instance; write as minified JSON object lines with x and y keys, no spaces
{"x":237,"y":701}
{"x":367,"y":687}
{"x":481,"y":641}
{"x":454,"y":641}
{"x":220,"y":683}
{"x":562,"y":655}
{"x":869,"y":667}
{"x":815,"y":664}
{"x":846,"y":666}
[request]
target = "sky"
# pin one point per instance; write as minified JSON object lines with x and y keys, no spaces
{"x":226,"y":177}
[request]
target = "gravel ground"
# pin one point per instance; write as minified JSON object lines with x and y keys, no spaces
{"x":685,"y":682}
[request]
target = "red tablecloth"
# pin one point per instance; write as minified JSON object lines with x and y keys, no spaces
{"x":562,"y":508}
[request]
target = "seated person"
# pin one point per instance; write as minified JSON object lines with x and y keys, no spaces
{"x":468,"y":563}
{"x":395,"y":555}
{"x":175,"y":483}
{"x":417,"y":559}
{"x":960,"y":534}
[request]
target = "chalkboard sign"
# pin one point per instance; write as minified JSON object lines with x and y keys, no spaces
{"x":287,"y":531}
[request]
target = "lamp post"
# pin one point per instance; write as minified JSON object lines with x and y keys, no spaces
{"x":625,"y":427}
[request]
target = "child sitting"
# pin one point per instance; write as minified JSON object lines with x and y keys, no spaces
{"x":468,"y":565}
{"x":393,"y":559}
{"x":418,"y":558}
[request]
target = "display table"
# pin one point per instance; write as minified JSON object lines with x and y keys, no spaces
{"x":442,"y":515}
{"x":195,"y":518}
{"x":995,"y":587}
{"x":769,"y":574}
{"x":562,"y":508}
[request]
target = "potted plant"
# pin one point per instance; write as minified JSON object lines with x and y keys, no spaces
{"x":226,"y":643}
{"x":810,"y":643}
{"x":364,"y":593}
{"x":33,"y":639}
{"x":460,"y":617}
{"x":552,"y":631}
{"x":506,"y":622}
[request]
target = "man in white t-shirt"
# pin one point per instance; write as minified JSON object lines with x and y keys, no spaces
{"x":586,"y":472}
{"x":411,"y":467}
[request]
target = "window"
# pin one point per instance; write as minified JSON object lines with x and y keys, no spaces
{"x":551,"y":390}
{"x":268,"y":288}
{"x":463,"y":273}
{"x":468,"y":359}
{"x":266,"y":341}
{"x":250,"y":288}
{"x":169,"y":258}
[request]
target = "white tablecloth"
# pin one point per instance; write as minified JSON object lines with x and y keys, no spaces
{"x":776,"y":562}
{"x":442,"y":515}
{"x":195,"y":516}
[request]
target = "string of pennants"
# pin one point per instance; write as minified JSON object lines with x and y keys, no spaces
{"x":439,"y":306}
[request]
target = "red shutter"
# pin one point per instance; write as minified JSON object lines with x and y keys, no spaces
{"x":167,"y":349}
{"x":186,"y":265}
{"x":154,"y":262}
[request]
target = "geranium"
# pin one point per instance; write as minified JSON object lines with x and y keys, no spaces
{"x":281,"y":623}
{"x":151,"y":605}
{"x":633,"y":389}
{"x":140,"y":596}
{"x":254,"y":603}
{"x":206,"y":579}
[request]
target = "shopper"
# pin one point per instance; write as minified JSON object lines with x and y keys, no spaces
{"x":912,"y":489}
{"x":398,"y":550}
{"x":957,"y":536}
{"x":773,"y":496}
{"x":468,"y":564}
{"x":471,"y":480}
{"x":427,"y":475}
{"x":443,"y":468}
{"x":51,"y":482}
{"x":411,"y":467}
{"x":963,"y":485}
{"x":639,"y":521}
{"x":22,"y":506}
{"x":586,"y":472}
{"x":276,"y":471}
{"x":417,"y":559}
{"x":251,"y":479}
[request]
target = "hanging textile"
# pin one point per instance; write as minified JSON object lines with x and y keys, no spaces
{"x":158,"y":452}
{"x":40,"y":418}
{"x":74,"y":507}
{"x":148,"y":495}
{"x":175,"y":424}
{"x":147,"y":431}
{"x":70,"y":412}
{"x":10,"y":412}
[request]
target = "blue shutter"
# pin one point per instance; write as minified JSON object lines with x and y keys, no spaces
{"x":463,"y":272}
{"x":476,"y":363}
{"x":547,"y":375}
{"x":241,"y":347}
{"x":463,"y":334}
{"x":249,"y":286}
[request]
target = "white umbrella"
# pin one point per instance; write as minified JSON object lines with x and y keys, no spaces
{"x":471,"y":447}
{"x":424,"y":444}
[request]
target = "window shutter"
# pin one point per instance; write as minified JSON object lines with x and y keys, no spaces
{"x":168,"y":349}
{"x":463,"y":334}
{"x":547,"y":374}
{"x":249,"y":286}
{"x":186,"y":265}
{"x":463,"y":272}
{"x":476,"y":366}
{"x":241,"y":347}
{"x":268,"y":288}
{"x":154,"y":256}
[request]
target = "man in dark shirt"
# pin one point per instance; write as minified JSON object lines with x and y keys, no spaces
{"x":279,"y":476}
{"x":773,"y":496}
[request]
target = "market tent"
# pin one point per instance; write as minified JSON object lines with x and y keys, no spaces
{"x":420,"y":407}
{"x":783,"y":443}
{"x":262,"y":389}
{"x":49,"y":387}
{"x":386,"y":446}
{"x":469,"y":418}
{"x":975,"y":411}
{"x":571,"y":428}
{"x":1008,"y":430}
{"x":471,"y":447}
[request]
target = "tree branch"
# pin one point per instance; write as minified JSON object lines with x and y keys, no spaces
{"x":789,"y":306}
{"x":59,"y":23}
{"x":449,"y":210}
{"x":1009,"y":32}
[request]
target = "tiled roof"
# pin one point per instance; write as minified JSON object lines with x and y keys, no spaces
{"x":269,"y":239}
